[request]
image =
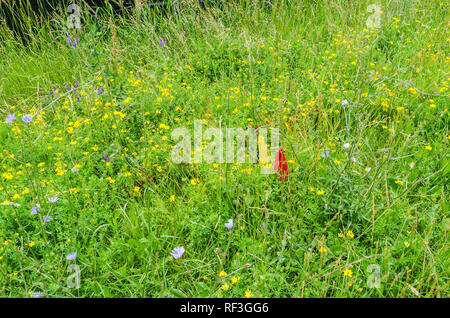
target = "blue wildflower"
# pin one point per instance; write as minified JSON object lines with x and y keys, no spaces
{"x":177,"y":252}
{"x":229,"y":225}
{"x":53,"y":200}
{"x":10,"y":118}
{"x":325,"y":154}
{"x":27,"y":118}
{"x":72,"y":256}
{"x":34,"y":210}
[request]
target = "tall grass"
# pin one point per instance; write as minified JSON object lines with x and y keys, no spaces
{"x":313,"y":69}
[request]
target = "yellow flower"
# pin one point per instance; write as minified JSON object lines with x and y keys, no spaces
{"x":235,"y":279}
{"x":412,"y":90}
{"x":350,"y":234}
{"x":347,"y":272}
{"x":172,"y":198}
{"x":7,"y":176}
{"x":222,"y":273}
{"x":225,"y":286}
{"x":248,"y":294}
{"x":406,"y":244}
{"x":322,"y":249}
{"x":429,"y":148}
{"x":320,"y":192}
{"x":110,"y":180}
{"x":400,"y":182}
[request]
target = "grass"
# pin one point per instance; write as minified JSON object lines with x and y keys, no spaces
{"x":376,"y":209}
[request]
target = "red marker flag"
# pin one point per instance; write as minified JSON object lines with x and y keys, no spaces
{"x":281,"y":164}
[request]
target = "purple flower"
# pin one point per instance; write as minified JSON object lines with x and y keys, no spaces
{"x":229,"y":225}
{"x":74,"y":44}
{"x":52,"y":90}
{"x":177,"y":252}
{"x":106,"y":157}
{"x":345,"y":102}
{"x":27,"y":118}
{"x":76,"y":84}
{"x":162,"y":43}
{"x":53,"y":200}
{"x":10,"y":118}
{"x":72,"y":256}
{"x":325,"y":154}
{"x":37,"y":295}
{"x":68,"y":40}
{"x":34,"y":210}
{"x":99,"y":90}
{"x":47,"y":218}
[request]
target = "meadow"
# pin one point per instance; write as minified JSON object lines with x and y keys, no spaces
{"x":91,"y":204}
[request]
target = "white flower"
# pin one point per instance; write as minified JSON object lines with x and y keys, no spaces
{"x":345,"y":102}
{"x":53,"y":200}
{"x":75,"y":170}
{"x":347,"y":145}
